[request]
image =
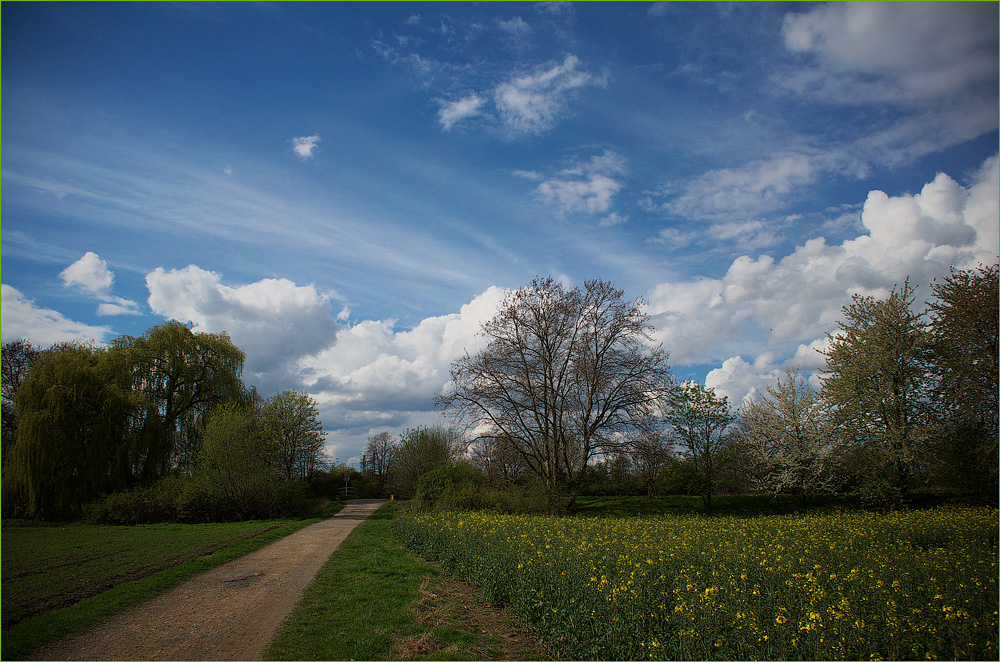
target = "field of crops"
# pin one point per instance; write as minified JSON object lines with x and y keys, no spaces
{"x":846,"y":585}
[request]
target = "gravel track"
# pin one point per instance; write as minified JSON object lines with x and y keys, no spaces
{"x":228,"y":613}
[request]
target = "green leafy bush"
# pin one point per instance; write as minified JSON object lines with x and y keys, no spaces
{"x":455,"y":479}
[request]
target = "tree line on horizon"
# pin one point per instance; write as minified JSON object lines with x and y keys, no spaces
{"x":568,"y":397}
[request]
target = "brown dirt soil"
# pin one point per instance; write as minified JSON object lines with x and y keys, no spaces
{"x":446,"y":602}
{"x":228,"y":613}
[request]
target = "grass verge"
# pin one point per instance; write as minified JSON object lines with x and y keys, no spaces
{"x":374,"y":600}
{"x":45,"y":566}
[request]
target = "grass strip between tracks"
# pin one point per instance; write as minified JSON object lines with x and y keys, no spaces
{"x":375,"y":600}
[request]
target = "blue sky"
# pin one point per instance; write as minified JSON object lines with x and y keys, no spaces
{"x":348,"y":189}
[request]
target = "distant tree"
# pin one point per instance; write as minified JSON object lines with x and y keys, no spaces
{"x":620,"y":473}
{"x":17,"y":357}
{"x":233,"y":462}
{"x":650,"y":451}
{"x":421,"y":450}
{"x":963,"y":351}
{"x":184,"y":374}
{"x":498,"y":459}
{"x":878,"y":385}
{"x":787,"y":437}
{"x":565,"y":374}
{"x":378,"y":456}
{"x":699,"y":419}
{"x":290,"y":420}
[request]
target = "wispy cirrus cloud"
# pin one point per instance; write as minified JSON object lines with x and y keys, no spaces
{"x":934,"y":63}
{"x":586,"y":187}
{"x":453,"y":112}
{"x":529,"y":102}
{"x":533,"y":102}
{"x":727,"y":194}
{"x":23,"y":319}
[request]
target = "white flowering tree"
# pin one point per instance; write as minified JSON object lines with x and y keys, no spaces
{"x":787,"y":438}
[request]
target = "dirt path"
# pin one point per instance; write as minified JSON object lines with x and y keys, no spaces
{"x":228,"y":613}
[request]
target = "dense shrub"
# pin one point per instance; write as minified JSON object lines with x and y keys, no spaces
{"x":194,"y":499}
{"x":463,"y":487}
{"x":454,"y":478}
{"x":142,"y":505}
{"x":291,"y":499}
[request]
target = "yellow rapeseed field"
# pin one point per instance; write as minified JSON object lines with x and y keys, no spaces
{"x":845,"y":585}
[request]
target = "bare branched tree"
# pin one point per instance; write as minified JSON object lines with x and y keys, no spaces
{"x":566,"y":373}
{"x":378,"y":456}
{"x":497,"y":457}
{"x":17,"y":355}
{"x":650,"y":452}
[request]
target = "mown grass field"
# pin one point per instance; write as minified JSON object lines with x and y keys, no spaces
{"x":830,"y":585}
{"x":60,"y":579}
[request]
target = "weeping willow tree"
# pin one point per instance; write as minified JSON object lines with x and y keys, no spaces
{"x":183,"y":374}
{"x":97,"y":420}
{"x":80,"y":435}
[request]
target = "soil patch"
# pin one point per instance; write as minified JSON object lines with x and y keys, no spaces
{"x":459,"y":619}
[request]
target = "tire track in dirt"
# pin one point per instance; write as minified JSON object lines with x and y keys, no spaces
{"x":228,"y":613}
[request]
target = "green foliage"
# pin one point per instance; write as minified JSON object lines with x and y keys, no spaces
{"x":699,"y":419}
{"x":680,"y":476}
{"x":81,"y":433}
{"x":16,"y":358}
{"x":435,"y":483}
{"x":233,"y":480}
{"x":97,"y":420}
{"x":183,"y":374}
{"x":146,"y":504}
{"x":964,"y":347}
{"x":291,"y":425}
{"x":419,"y":451}
{"x":878,"y":387}
{"x":233,"y":463}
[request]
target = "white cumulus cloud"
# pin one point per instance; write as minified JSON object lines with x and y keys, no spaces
{"x":22,"y":319}
{"x":375,"y":367}
{"x":91,"y":274}
{"x":790,"y":304}
{"x":274,"y":320}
